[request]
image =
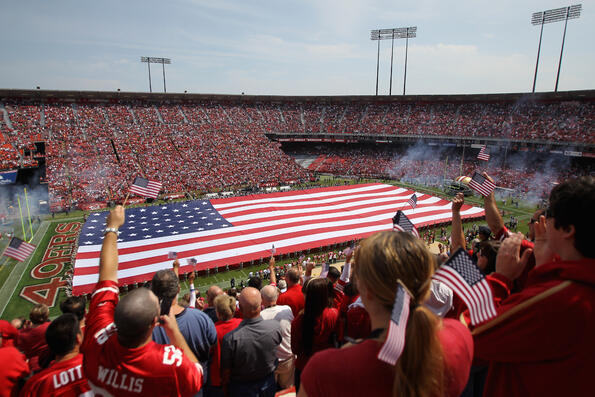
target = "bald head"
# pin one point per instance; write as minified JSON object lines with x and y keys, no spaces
{"x":250,"y":302}
{"x":135,"y":316}
{"x":292,"y":277}
{"x":269,"y":295}
{"x":213,"y":292}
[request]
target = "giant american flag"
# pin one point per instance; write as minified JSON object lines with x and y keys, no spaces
{"x":228,"y":231}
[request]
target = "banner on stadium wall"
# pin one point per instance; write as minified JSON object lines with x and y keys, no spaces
{"x":93,"y":206}
{"x":589,"y":155}
{"x":313,"y":140}
{"x":8,"y":177}
{"x":377,"y":141}
{"x":571,"y":153}
{"x":135,"y":200}
{"x":556,"y":151}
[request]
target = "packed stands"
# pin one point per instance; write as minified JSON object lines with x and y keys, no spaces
{"x":210,"y":144}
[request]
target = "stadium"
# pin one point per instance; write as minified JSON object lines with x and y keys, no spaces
{"x":222,"y":183}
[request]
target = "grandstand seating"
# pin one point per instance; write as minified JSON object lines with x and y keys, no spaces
{"x":95,"y":150}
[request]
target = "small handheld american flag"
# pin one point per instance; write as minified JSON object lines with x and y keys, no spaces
{"x":412,"y":201}
{"x":483,"y":154}
{"x":402,"y":224}
{"x":18,"y":249}
{"x":395,"y":340}
{"x":146,"y":188}
{"x":481,"y":184}
{"x":464,"y":277}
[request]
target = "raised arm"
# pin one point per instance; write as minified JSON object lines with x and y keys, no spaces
{"x":272,"y":274}
{"x":108,"y":259}
{"x":493,"y":218}
{"x":457,"y":235}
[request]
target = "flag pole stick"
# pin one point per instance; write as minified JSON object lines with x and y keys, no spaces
{"x":22,"y":221}
{"x":126,"y":199}
{"x":28,"y":215}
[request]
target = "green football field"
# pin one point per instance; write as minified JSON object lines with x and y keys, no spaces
{"x":42,"y":278}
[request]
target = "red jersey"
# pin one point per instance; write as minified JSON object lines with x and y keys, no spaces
{"x":326,"y":325}
{"x":31,"y":341}
{"x":14,"y":367}
{"x":356,"y":370}
{"x":293,"y":298}
{"x":222,"y":327}
{"x":545,"y":348}
{"x":65,"y":378}
{"x":149,"y":370}
{"x":9,"y":333}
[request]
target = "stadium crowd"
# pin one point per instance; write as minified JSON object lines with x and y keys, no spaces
{"x":336,"y":334}
{"x":222,"y":144}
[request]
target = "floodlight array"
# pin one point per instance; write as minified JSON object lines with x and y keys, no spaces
{"x":556,"y":15}
{"x":166,"y":61}
{"x":397,"y":33}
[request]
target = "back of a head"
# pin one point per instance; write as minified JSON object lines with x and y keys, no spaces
{"x":571,"y":203}
{"x":333,"y":274}
{"x":319,"y":296}
{"x":381,"y":260}
{"x":255,"y":282}
{"x":292,"y":277}
{"x":75,"y":305}
{"x":250,"y":302}
{"x":212,"y":293}
{"x":61,"y":334}
{"x":165,"y":284}
{"x":39,"y":314}
{"x":225,"y":307}
{"x":489,"y":249}
{"x":269,"y":295}
{"x":134,"y":316}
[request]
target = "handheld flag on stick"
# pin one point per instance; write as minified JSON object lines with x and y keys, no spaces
{"x":146,"y":188}
{"x":402,"y":224}
{"x":273,"y":250}
{"x":325,"y":268}
{"x":412,"y":201}
{"x":192,"y":262}
{"x":464,"y":277}
{"x":172,"y":255}
{"x":483,"y":154}
{"x":395,"y":340}
{"x":18,"y":249}
{"x":481,"y":184}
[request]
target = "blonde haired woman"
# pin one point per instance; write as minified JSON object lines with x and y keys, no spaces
{"x":437,"y":353}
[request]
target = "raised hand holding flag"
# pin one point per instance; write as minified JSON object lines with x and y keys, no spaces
{"x":463,"y":276}
{"x":481,"y":184}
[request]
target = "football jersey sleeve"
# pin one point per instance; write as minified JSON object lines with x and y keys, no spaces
{"x":99,"y":323}
{"x":188,"y":375}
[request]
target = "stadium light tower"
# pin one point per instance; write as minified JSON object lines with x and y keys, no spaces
{"x":395,"y":33}
{"x":162,"y":61}
{"x":549,"y":16}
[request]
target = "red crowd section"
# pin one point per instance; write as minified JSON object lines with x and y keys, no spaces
{"x":93,"y":151}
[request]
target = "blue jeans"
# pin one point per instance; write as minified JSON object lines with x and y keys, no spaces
{"x":265,"y":387}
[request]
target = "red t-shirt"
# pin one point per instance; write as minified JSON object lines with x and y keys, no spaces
{"x":149,"y":370}
{"x":14,"y":367}
{"x":356,"y":370}
{"x":222,"y":327}
{"x":31,"y":341}
{"x":326,"y":325}
{"x":293,"y":298}
{"x":9,"y":333}
{"x":64,"y":379}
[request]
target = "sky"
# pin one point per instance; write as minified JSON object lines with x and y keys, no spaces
{"x":288,"y":47}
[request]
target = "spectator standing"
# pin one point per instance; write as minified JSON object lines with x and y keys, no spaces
{"x":75,"y":305}
{"x":14,"y":370}
{"x":437,"y":353}
{"x":196,"y":327}
{"x":284,"y":374}
{"x":315,"y":328}
{"x":8,"y":333}
{"x":293,"y":297}
{"x":225,"y":307}
{"x":212,"y":293}
{"x":249,"y":353}
{"x":64,"y":377}
{"x":31,"y":341}
{"x":541,"y":343}
{"x":119,"y":356}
